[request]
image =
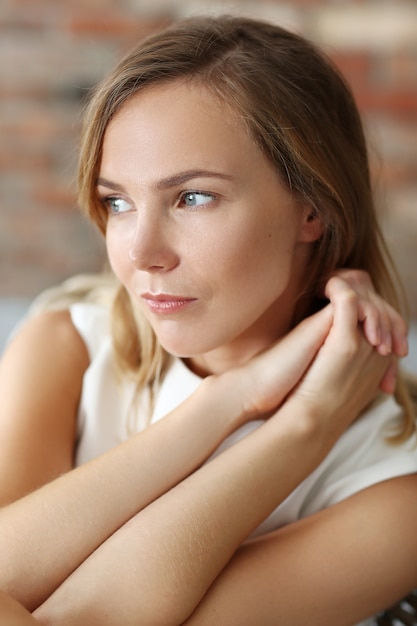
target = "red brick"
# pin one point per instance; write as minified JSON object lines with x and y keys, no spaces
{"x":54,"y":197}
{"x":401,"y":103}
{"x":52,"y":51}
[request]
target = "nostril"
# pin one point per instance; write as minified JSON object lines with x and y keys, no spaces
{"x":151,"y":246}
{"x":152,"y":260}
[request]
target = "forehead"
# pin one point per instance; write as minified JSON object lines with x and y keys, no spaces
{"x":189,"y":93}
{"x":180,"y":121}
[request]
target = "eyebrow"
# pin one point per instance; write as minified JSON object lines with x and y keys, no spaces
{"x":171,"y":181}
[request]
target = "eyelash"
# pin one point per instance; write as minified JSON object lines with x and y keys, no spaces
{"x":197,"y":192}
{"x":107,"y":201}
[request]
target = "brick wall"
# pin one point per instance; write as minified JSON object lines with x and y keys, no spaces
{"x":52,"y":51}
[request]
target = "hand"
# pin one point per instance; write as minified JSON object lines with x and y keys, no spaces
{"x":267,"y":379}
{"x":383,"y":326}
{"x":344,"y":376}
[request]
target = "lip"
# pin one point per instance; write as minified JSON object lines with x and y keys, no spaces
{"x":165,"y":303}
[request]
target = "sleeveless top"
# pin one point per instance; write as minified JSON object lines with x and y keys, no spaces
{"x":110,"y":411}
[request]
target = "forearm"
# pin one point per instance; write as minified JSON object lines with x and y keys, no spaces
{"x":55,"y":529}
{"x":14,"y":614}
{"x":162,"y":562}
{"x":46,"y":535}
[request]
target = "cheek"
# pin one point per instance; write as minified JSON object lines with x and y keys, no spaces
{"x":117,"y":246}
{"x":257,"y":253}
{"x":267,"y":271}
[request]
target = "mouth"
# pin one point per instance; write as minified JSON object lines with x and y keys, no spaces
{"x":163,"y":303}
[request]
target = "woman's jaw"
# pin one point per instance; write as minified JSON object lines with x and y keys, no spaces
{"x":202,"y":232}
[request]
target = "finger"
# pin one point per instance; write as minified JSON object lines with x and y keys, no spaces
{"x":399,"y":332}
{"x":271,"y":375}
{"x":345,"y":305}
{"x":308,"y":335}
{"x":371,"y":308}
{"x":374,"y":313}
{"x":369,"y":315}
{"x":359,"y":280}
{"x":376,"y":325}
{"x":389,"y":380}
{"x":387,"y":323}
{"x":383,"y":325}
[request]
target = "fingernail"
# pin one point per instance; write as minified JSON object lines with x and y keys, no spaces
{"x":377,"y":337}
{"x":388,"y":343}
{"x":383,"y":349}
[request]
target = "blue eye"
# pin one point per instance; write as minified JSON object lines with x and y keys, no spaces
{"x":116,"y":205}
{"x":195,"y":198}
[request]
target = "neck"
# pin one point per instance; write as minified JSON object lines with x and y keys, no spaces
{"x":266,"y":331}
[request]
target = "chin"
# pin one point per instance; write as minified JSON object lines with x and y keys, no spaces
{"x":180,"y":351}
{"x":186,"y":347}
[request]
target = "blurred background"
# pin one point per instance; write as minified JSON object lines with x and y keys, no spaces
{"x":52,"y":52}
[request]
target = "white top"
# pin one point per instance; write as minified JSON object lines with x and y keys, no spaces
{"x":360,"y":458}
{"x":108,"y":415}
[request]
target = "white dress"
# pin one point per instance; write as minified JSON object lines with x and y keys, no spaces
{"x":360,"y":458}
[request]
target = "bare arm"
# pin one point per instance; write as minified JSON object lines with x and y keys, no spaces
{"x":14,"y":614}
{"x":339,"y":566}
{"x":47,"y":361}
{"x":40,"y":384}
{"x":160,"y":565}
{"x":62,"y":523}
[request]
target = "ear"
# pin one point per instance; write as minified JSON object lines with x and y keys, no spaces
{"x":312,"y":226}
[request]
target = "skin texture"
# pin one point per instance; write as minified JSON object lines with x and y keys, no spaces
{"x":39,"y":425}
{"x":87,"y":548}
{"x":14,"y":614}
{"x":239,"y":247}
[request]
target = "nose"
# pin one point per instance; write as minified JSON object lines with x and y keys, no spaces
{"x":151,"y":248}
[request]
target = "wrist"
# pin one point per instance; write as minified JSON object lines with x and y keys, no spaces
{"x":308,"y":423}
{"x":223,"y":393}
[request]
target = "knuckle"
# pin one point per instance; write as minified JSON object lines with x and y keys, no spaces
{"x":349,"y":298}
{"x":332,"y":282}
{"x":356,"y":277}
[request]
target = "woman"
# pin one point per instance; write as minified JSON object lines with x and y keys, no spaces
{"x":225,"y":163}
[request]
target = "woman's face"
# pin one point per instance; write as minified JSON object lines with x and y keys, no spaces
{"x":207,"y":240}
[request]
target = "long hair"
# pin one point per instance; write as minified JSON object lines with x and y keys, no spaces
{"x":299,"y":111}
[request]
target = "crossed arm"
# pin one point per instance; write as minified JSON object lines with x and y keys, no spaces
{"x":174,"y":554}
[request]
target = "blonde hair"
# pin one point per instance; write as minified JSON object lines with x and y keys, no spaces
{"x":302,"y":115}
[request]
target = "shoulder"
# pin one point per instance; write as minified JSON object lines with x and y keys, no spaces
{"x":43,"y":367}
{"x":50,"y":336}
{"x":41,"y":376}
{"x":70,"y":335}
